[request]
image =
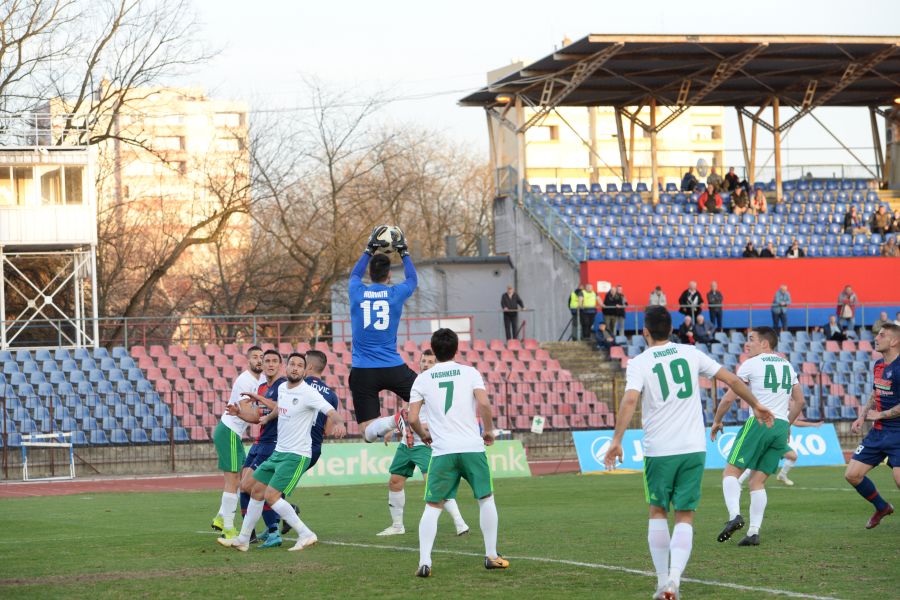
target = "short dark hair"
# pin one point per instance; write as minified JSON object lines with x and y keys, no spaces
{"x":320,"y":360}
{"x":768,"y":334}
{"x":658,"y":323}
{"x":271,"y":352}
{"x":253,"y":349}
{"x":379,"y":268}
{"x":293,"y":354}
{"x":444,"y":343}
{"x":892,"y":327}
{"x":427,"y":352}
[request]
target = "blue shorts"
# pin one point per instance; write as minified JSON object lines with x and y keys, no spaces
{"x":258,"y":454}
{"x":880,"y":443}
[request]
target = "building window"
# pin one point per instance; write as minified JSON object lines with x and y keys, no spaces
{"x":74,"y":184}
{"x":23,"y":182}
{"x":51,"y":186}
{"x":7,"y":198}
{"x":228,"y":144}
{"x":169,"y":142}
{"x":227,"y":119}
{"x":716,"y":132}
{"x":544,"y":133}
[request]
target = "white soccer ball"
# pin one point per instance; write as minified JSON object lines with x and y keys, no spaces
{"x":390,"y":235}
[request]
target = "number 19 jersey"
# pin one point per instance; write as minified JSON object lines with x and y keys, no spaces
{"x":671,"y":410}
{"x":448,"y":392}
{"x":771,"y":379}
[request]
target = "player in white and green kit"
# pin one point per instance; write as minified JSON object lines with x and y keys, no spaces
{"x":452,"y":397}
{"x":773,"y":380}
{"x":411,"y":453}
{"x":665,"y":377}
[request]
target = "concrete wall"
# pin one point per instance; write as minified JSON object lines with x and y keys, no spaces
{"x":544,"y":277}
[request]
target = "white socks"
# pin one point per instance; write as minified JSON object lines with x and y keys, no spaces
{"x":453,"y":510}
{"x":658,"y":540}
{"x":745,"y":476}
{"x":427,"y":531}
{"x":227,"y":508}
{"x":680,"y":550}
{"x":396,"y":502}
{"x":758,"y":500}
{"x":488,"y":524}
{"x":788,"y":463}
{"x":731,"y":489}
{"x":378,"y":427}
{"x":254,"y":512}
{"x":287,"y":514}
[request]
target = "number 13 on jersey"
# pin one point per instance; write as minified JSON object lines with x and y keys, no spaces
{"x":380,"y":309}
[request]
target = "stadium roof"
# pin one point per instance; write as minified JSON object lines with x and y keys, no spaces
{"x":718,"y":70}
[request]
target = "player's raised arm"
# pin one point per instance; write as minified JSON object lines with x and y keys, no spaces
{"x":409,"y":270}
{"x":486,"y":413}
{"x":359,"y":269}
{"x":626,"y":411}
{"x":763,"y":414}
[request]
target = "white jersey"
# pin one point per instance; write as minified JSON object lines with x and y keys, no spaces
{"x":447,"y":391}
{"x":246,"y":383}
{"x":771,"y":379}
{"x":671,"y":410}
{"x":298,"y":408}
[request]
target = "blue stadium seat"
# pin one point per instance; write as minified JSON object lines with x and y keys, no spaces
{"x":118,"y":436}
{"x":109,"y":423}
{"x":159,"y":435}
{"x":101,"y":352}
{"x":139,"y":436}
{"x":181,"y":435}
{"x":98,"y":438}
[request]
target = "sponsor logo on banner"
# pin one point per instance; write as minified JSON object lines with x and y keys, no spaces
{"x":815,"y":446}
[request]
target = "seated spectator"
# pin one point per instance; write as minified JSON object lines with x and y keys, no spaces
{"x":895,"y":224}
{"x":890,"y":248}
{"x":853,"y":223}
{"x":710,"y":201}
{"x":740,"y":201}
{"x":768,"y":251}
{"x":758,"y":204}
{"x":714,"y":179}
{"x":881,"y":221}
{"x":731,"y":180}
{"x":704,"y":330}
{"x":689,"y":181}
{"x":686,"y":331}
{"x":795,"y":251}
{"x":603,"y":339}
{"x":897,"y":318}
{"x":833,"y":331}
{"x":750,"y":251}
{"x":879,"y":323}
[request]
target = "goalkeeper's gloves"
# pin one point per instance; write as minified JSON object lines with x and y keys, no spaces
{"x":374,"y":243}
{"x":400,"y":245}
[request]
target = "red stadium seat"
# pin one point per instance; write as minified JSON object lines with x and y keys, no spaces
{"x":137,"y":351}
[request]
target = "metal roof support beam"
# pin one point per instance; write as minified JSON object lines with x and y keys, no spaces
{"x":582,"y":70}
{"x":852,"y":73}
{"x":623,"y":153}
{"x":776,"y":135}
{"x":740,"y":118}
{"x":501,"y":117}
{"x":843,"y":145}
{"x":654,"y":166}
{"x":520,"y":145}
{"x":876,"y":143}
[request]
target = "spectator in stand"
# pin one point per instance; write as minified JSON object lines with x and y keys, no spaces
{"x":588,"y":310}
{"x":846,"y":309}
{"x":895,"y":224}
{"x":575,"y":309}
{"x":750,"y":251}
{"x":768,"y":251}
{"x":852,"y":222}
{"x":657,"y":297}
{"x":511,"y":303}
{"x":779,"y":309}
{"x":795,"y":251}
{"x":897,"y":318}
{"x":879,"y":323}
{"x":890,"y":248}
{"x":759,"y":205}
{"x":704,"y":331}
{"x":881,"y":221}
{"x":686,"y":331}
{"x":602,"y":337}
{"x":714,"y":179}
{"x":689,"y":181}
{"x":731,"y":180}
{"x":690,"y":303}
{"x":740,"y":202}
{"x":614,"y":311}
{"x":714,"y":301}
{"x":710,"y":201}
{"x":833,"y":331}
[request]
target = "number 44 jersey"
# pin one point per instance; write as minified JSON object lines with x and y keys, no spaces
{"x":667,"y":378}
{"x":771,"y":379}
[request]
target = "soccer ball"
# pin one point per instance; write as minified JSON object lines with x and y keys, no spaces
{"x":391,"y":235}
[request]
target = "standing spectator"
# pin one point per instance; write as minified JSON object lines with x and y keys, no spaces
{"x":714,"y":179}
{"x":881,"y":221}
{"x":657,"y":297}
{"x":852,"y":222}
{"x":704,"y":331}
{"x":890,"y":248}
{"x":709,"y":201}
{"x":795,"y":251}
{"x":833,"y":331}
{"x":588,"y":310}
{"x":740,"y":202}
{"x":846,"y":309}
{"x":750,"y":251}
{"x":689,"y":181}
{"x":575,"y":309}
{"x":614,"y":310}
{"x":759,"y":205}
{"x":779,"y":308}
{"x":511,"y":303}
{"x":686,"y":331}
{"x":768,"y":251}
{"x":879,"y":323}
{"x":731,"y":180}
{"x":714,"y":301}
{"x":690,"y":302}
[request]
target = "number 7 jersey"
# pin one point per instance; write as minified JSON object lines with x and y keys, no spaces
{"x":667,"y":378}
{"x":448,"y":392}
{"x":771,"y":379}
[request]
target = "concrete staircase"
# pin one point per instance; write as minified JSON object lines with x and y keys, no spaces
{"x":593,"y":368}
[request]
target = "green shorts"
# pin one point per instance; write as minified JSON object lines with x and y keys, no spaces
{"x":445,"y":471}
{"x":407,"y":459}
{"x":282,"y":471}
{"x":229,"y":448}
{"x":758,"y":447}
{"x":674,"y":480}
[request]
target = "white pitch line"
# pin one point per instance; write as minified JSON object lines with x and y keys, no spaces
{"x":575,"y":563}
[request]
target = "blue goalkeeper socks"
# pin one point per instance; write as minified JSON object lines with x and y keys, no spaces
{"x":867,"y":490}
{"x":245,"y":502}
{"x":271,"y":518}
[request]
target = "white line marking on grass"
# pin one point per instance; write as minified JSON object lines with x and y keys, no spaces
{"x":575,"y":563}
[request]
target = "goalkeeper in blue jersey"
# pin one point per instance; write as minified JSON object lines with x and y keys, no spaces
{"x":375,"y":312}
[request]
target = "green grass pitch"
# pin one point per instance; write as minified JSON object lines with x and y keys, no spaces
{"x":160,"y":545}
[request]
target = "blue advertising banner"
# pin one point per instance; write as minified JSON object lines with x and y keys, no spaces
{"x":815,"y":446}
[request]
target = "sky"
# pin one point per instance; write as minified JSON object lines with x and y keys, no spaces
{"x":429,"y":54}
